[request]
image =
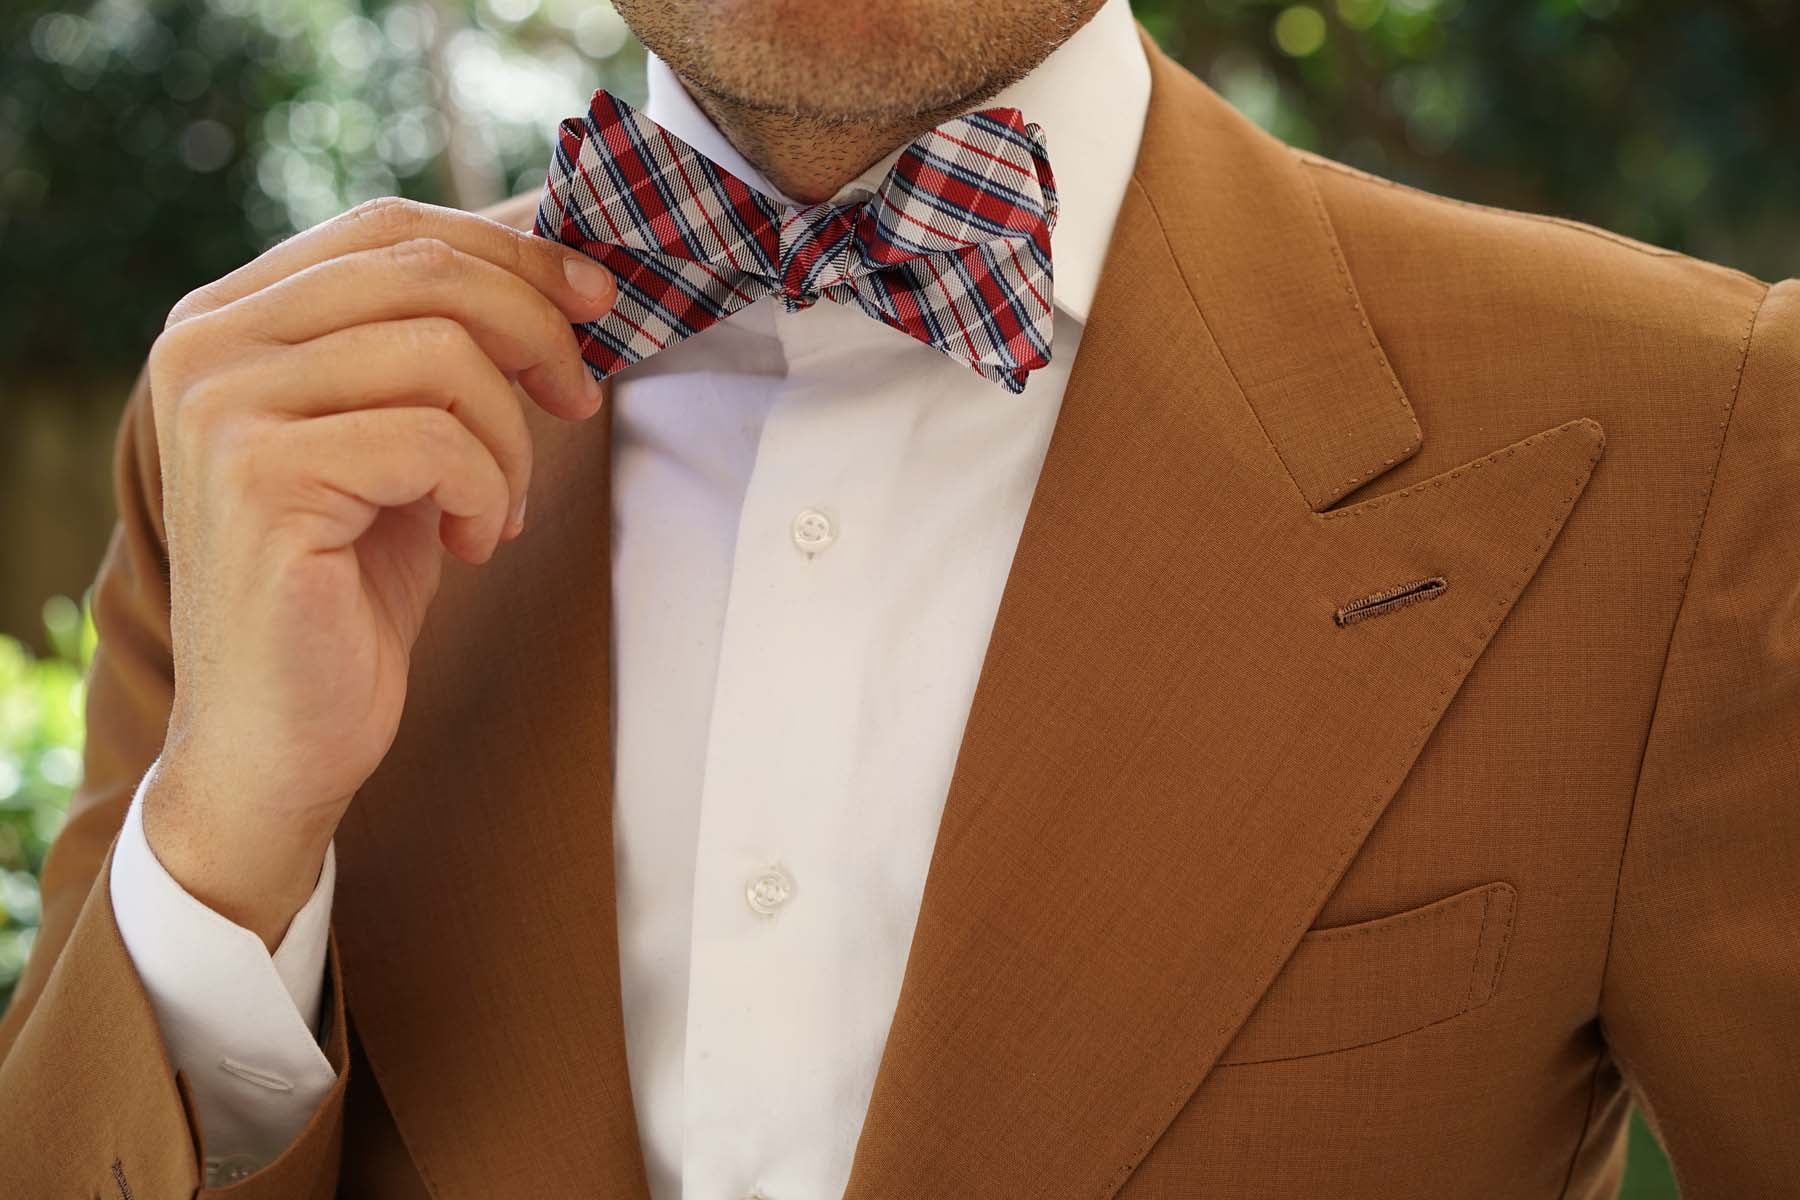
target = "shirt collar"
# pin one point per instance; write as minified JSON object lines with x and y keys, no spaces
{"x":1089,"y":96}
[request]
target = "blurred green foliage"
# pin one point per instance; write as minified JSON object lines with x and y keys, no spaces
{"x":1669,"y":121}
{"x":40,"y":764}
{"x":148,"y":146}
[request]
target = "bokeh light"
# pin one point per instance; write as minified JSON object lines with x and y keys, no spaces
{"x":237,"y":122}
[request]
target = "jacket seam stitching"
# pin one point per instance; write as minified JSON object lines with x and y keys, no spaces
{"x":1575,"y":226}
{"x":1687,"y":574}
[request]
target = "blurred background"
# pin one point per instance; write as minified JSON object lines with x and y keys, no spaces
{"x":148,"y":146}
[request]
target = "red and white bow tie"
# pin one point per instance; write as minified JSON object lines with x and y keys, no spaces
{"x":954,"y":249}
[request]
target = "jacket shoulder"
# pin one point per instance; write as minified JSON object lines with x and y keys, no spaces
{"x":1485,"y":311}
{"x":1423,"y":259}
{"x":1367,"y":200}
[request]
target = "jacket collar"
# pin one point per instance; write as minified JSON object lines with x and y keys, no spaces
{"x":1172,"y":754}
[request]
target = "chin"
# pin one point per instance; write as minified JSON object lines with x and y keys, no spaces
{"x":851,"y":60}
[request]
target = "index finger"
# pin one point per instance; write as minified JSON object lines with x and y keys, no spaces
{"x":582,"y":288}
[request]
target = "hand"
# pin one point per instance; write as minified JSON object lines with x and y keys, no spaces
{"x":332,"y":417}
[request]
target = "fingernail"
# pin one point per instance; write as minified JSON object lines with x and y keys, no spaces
{"x":517,"y":524}
{"x":588,"y":277}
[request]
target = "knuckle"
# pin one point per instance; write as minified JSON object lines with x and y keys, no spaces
{"x":424,"y":256}
{"x":518,"y":436}
{"x":499,"y":491}
{"x":201,"y":300}
{"x":198,"y":410}
{"x":172,"y":357}
{"x":437,"y":338}
{"x":521,"y":252}
{"x":454,"y":442}
{"x":542,"y":258}
{"x":236,"y":463}
{"x":512,"y":452}
{"x":556,"y":329}
{"x":386,"y":220}
{"x":441,"y":431}
{"x":164,"y":365}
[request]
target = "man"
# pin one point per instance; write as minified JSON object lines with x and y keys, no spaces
{"x":1335,"y":733}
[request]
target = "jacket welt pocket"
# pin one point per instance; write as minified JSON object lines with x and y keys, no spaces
{"x":1353,"y":985}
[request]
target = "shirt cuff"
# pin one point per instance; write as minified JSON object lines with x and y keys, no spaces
{"x":237,"y":1020}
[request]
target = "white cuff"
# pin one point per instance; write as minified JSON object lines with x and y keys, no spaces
{"x":237,"y":1020}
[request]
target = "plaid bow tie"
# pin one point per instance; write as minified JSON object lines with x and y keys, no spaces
{"x":954,"y":249}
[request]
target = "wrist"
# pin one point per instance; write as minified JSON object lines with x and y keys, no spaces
{"x":254,"y":865}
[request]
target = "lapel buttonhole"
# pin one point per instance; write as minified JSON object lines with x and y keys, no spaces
{"x":1390,"y":599}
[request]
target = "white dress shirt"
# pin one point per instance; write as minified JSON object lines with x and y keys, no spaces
{"x":814,"y":516}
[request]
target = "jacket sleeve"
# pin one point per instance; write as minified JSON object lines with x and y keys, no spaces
{"x":89,"y":1102}
{"x":1701,"y":1000}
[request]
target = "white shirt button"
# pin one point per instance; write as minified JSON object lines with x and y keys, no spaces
{"x":813,"y":531}
{"x":769,"y":891}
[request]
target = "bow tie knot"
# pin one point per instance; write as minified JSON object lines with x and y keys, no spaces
{"x":815,"y":252}
{"x":953,"y":249}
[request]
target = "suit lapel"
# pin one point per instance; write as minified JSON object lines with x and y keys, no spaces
{"x":475,"y":910}
{"x":1175,"y":748}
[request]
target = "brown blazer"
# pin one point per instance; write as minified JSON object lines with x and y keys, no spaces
{"x":1234,"y":896}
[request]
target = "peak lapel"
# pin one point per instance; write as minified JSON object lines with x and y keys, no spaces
{"x":1174,"y":748}
{"x":475,"y":908}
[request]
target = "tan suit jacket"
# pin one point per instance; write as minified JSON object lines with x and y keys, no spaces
{"x":1233,"y":896}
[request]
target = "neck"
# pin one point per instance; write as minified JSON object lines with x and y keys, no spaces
{"x":809,"y":156}
{"x":809,"y":160}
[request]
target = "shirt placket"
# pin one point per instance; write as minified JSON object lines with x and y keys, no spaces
{"x":773,"y":961}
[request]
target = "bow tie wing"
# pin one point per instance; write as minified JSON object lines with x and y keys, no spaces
{"x":688,"y":242}
{"x":955,"y":247}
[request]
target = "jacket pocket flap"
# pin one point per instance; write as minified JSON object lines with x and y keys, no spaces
{"x":1356,"y":984}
